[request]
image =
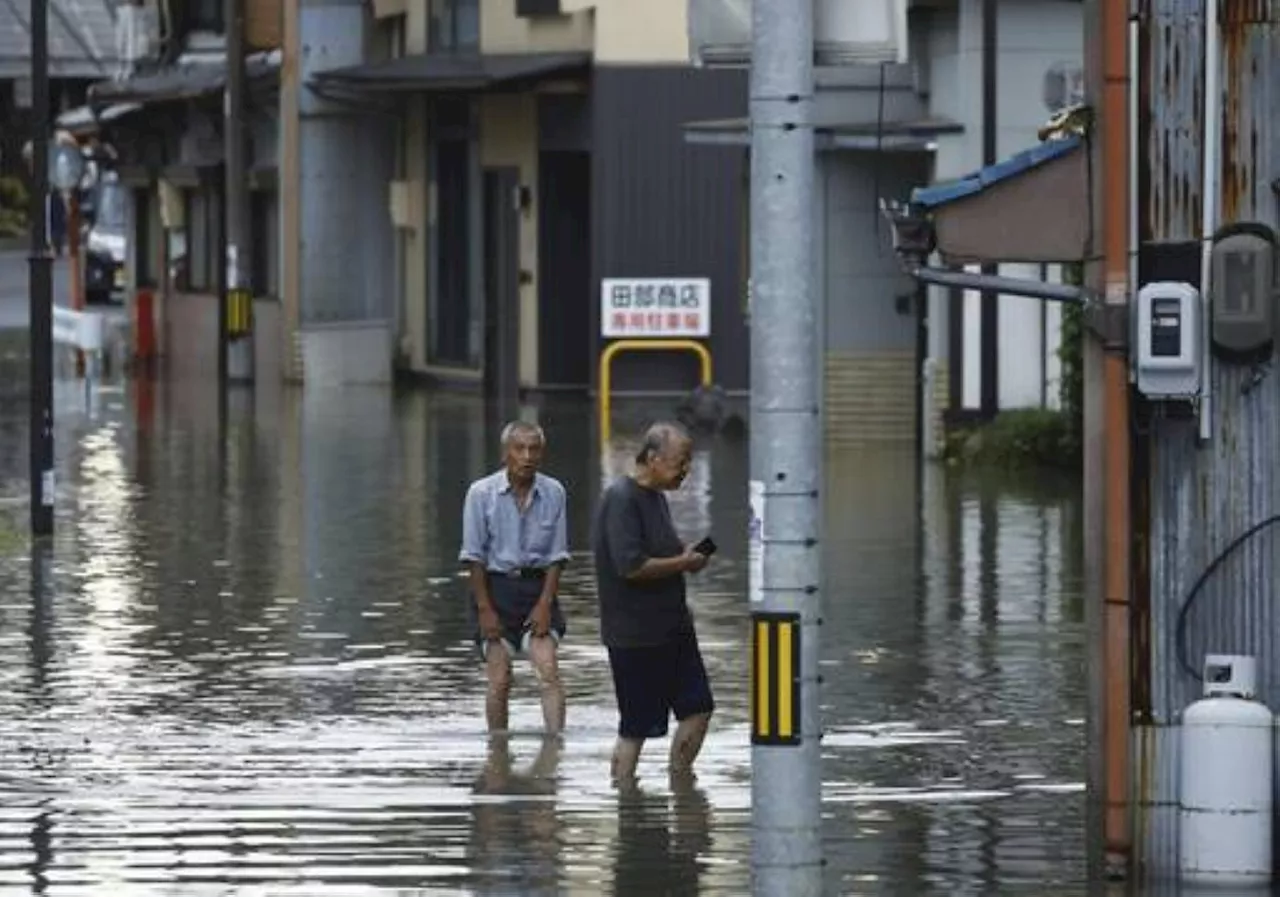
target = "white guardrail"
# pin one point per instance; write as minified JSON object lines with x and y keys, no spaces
{"x":79,"y":329}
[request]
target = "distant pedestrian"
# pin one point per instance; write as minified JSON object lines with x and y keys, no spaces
{"x":644,"y":617}
{"x":514,"y":544}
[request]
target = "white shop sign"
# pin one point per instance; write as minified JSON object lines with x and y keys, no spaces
{"x":655,"y":307}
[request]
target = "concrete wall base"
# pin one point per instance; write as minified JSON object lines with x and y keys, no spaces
{"x":358,"y":352}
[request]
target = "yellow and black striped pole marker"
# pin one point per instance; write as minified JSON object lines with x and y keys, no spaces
{"x":239,"y":312}
{"x":775,"y":679}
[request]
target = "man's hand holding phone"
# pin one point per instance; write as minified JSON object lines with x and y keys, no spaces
{"x":696,"y":556}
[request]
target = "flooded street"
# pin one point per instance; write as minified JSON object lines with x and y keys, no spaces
{"x":243,"y":667}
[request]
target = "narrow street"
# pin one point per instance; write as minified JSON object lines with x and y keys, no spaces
{"x":246,"y":662}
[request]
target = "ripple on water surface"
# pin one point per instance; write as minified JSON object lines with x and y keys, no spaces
{"x":243,"y":668}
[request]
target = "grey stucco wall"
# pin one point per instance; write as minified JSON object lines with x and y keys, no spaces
{"x":861,"y":275}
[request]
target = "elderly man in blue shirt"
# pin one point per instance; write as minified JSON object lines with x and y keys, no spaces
{"x":514,"y":544}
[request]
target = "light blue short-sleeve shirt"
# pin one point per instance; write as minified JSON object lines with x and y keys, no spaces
{"x":498,"y":535}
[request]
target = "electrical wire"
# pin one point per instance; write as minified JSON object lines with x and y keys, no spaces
{"x":1180,"y":631}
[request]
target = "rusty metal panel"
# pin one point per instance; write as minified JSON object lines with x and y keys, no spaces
{"x":1204,"y":496}
{"x":1172,"y":85}
{"x":1247,"y":33}
{"x":1156,"y":752}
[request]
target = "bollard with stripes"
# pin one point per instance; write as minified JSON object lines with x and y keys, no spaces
{"x":239,"y":313}
{"x":775,"y":679}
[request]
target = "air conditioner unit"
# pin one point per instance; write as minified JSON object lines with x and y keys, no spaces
{"x":137,"y":33}
{"x":845,"y":32}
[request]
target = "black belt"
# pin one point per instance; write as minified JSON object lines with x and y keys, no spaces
{"x":521,"y":573}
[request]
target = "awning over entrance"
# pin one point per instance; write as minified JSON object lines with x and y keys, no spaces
{"x":452,"y":72}
{"x":84,"y":120}
{"x":181,"y":82}
{"x":1030,"y":207}
{"x":917,"y":134}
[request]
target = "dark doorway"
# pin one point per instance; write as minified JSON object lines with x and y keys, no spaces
{"x":564,"y":270}
{"x":451,"y":324}
{"x":502,"y":288}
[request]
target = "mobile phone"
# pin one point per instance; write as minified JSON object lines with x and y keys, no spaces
{"x":706,"y":546}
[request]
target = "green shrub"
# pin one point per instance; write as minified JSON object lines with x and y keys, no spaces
{"x":1027,"y":437}
{"x":14,"y":198}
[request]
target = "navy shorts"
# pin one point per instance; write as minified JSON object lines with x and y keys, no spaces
{"x":514,"y":600}
{"x":652,"y":683}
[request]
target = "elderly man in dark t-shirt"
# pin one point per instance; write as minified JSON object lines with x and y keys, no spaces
{"x":644,"y":619}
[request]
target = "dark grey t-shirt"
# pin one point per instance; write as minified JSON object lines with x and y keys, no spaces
{"x":632,"y":525}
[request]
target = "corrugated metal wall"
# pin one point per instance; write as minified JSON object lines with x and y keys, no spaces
{"x":1204,"y":496}
{"x":663,"y":208}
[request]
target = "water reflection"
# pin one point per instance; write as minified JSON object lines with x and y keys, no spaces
{"x":669,"y":830}
{"x":244,"y":660}
{"x":516,"y":825}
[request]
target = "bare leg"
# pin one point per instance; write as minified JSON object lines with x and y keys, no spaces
{"x":626,"y":756}
{"x":687,"y":743}
{"x":542,"y":653}
{"x":497,"y":667}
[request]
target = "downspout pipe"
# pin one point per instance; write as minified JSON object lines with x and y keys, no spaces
{"x":1117,"y":471}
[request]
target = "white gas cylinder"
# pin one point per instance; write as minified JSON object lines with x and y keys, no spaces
{"x":1226,"y":779}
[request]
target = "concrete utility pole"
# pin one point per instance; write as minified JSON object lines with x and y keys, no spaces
{"x":40,"y":285}
{"x":786,"y":458}
{"x":235,"y":332}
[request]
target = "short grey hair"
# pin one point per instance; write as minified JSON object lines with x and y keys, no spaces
{"x":659,"y":437}
{"x":518,"y":427}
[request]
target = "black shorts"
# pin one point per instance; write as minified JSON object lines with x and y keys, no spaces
{"x":514,"y":600}
{"x":652,"y":683}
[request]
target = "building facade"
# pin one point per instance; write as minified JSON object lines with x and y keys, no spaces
{"x":901,"y":360}
{"x":538,"y":155}
{"x":444,"y":188}
{"x":447,"y":185}
{"x":162,"y":113}
{"x":990,"y":353}
{"x":82,"y":49}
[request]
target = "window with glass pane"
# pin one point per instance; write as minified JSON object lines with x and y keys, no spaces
{"x":454,"y":25}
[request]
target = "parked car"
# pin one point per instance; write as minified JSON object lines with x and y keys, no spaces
{"x":106,"y":244}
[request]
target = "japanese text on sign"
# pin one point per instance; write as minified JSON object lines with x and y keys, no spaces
{"x":655,"y":307}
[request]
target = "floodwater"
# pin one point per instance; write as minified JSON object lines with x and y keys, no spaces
{"x":243,"y":668}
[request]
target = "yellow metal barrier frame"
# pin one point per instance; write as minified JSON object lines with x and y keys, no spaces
{"x":641,"y":345}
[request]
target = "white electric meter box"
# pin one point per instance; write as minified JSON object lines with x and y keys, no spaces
{"x":1168,"y":348}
